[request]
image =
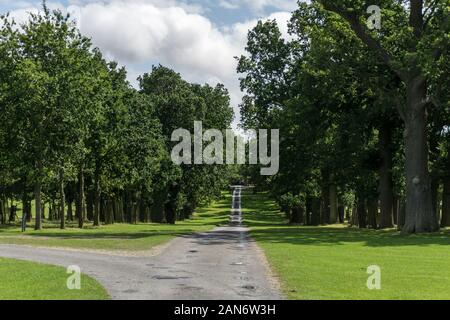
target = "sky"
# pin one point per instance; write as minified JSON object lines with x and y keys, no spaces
{"x":197,"y":38}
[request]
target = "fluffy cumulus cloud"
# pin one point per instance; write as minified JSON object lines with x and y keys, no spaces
{"x":135,"y":33}
{"x":140,"y":33}
{"x":260,"y":5}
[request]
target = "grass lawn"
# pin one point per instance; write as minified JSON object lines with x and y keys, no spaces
{"x":331,"y":262}
{"x":20,"y":280}
{"x":122,"y":237}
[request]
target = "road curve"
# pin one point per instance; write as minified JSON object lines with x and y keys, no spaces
{"x":224,"y":264}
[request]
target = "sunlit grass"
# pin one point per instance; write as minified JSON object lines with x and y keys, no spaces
{"x":20,"y":280}
{"x":125,"y":237}
{"x":332,"y":262}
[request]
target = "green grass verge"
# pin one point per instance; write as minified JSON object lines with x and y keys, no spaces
{"x":331,"y":262}
{"x":121,"y":237}
{"x":20,"y":280}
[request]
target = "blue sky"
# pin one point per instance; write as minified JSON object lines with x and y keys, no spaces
{"x":198,"y":38}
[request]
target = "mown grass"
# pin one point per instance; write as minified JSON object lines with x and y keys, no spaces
{"x":331,"y":262}
{"x":122,"y":237}
{"x":20,"y":280}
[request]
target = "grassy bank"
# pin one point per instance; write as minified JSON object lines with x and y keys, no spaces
{"x":20,"y":280}
{"x":124,"y":237}
{"x":332,"y":262}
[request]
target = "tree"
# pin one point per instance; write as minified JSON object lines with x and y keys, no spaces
{"x":423,"y":25}
{"x":50,"y":116}
{"x":336,"y":80}
{"x":74,"y":130}
{"x":178,"y":104}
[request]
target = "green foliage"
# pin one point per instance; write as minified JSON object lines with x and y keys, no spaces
{"x":74,"y":130}
{"x":178,"y":104}
{"x":334,"y":97}
{"x":120,"y":237}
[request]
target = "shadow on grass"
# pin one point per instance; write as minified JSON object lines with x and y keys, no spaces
{"x":332,"y":237}
{"x":115,"y":235}
{"x":269,"y":225}
{"x":121,"y":231}
{"x":109,"y":235}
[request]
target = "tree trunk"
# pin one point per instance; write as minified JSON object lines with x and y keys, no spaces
{"x":333,"y":204}
{"x":135,"y":208}
{"x":37,"y":195}
{"x":325,"y":212}
{"x":341,"y":211}
{"x":12,"y":213}
{"x":115,"y":207}
{"x":354,"y":218}
{"x":110,"y":211}
{"x":386,"y":183}
{"x":2,"y":211}
{"x":445,"y":222}
{"x":81,"y":199}
{"x":55,"y":210}
{"x":348,"y":214}
{"x":120,"y":214}
{"x":420,"y":216}
{"x":372,"y":213}
{"x":89,"y":205}
{"x":434,"y":197}
{"x":70,"y":198}
{"x":157,"y":212}
{"x":103,"y":211}
{"x":69,"y":211}
{"x":396,"y":209}
{"x":97,"y":199}
{"x":315,"y":211}
{"x":5,"y":210}
{"x":142,"y":209}
{"x":25,"y":202}
{"x":401,"y":215}
{"x":25,"y":206}
{"x":43,"y":208}
{"x":297,"y":216}
{"x":63,"y":200}
{"x":147,"y":214}
{"x":170,"y":213}
{"x":29,"y":215}
{"x":188,"y":210}
{"x":362,"y":213}
{"x":50,"y":211}
{"x":96,"y":208}
{"x":309,"y":208}
{"x":126,"y":203}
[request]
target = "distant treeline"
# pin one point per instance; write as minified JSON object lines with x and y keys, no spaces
{"x":78,"y":139}
{"x":364,"y":113}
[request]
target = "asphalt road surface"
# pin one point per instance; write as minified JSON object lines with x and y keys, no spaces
{"x":224,"y":264}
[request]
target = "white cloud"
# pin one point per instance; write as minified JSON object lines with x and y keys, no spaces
{"x":17,"y":4}
{"x":259,"y":6}
{"x":140,"y":33}
{"x":228,"y":5}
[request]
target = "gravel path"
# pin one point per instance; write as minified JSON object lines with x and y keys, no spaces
{"x":224,"y":264}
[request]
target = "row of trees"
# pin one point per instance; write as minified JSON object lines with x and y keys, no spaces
{"x":364,"y":114}
{"x":74,"y":132}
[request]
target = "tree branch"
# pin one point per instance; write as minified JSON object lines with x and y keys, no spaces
{"x":365,"y":37}
{"x":400,"y":105}
{"x":440,"y":51}
{"x":428,"y":14}
{"x":416,"y":17}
